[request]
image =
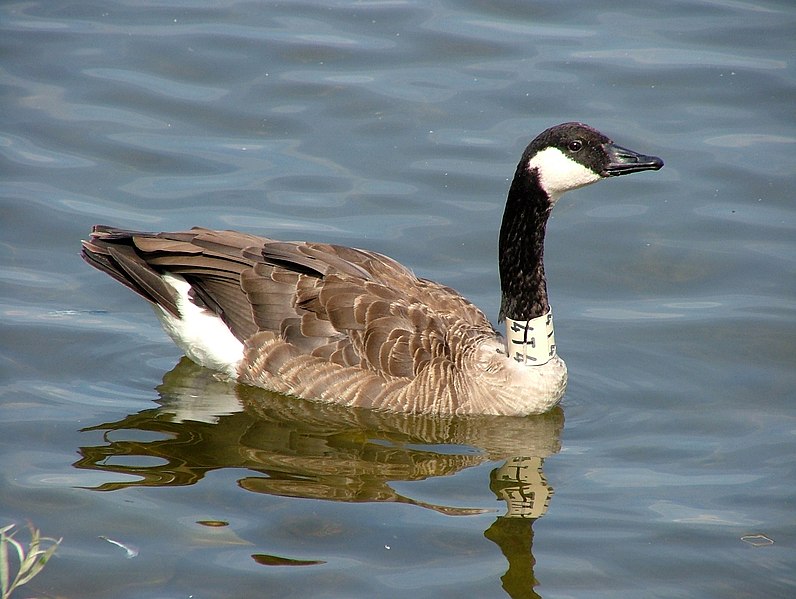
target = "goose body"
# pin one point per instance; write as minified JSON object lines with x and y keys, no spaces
{"x":354,"y":327}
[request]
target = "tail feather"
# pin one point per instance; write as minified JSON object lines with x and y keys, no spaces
{"x":111,"y":251}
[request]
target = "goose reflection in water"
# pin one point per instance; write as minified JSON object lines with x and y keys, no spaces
{"x":297,"y":448}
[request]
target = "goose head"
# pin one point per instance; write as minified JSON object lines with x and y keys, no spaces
{"x":560,"y":159}
{"x":572,"y":155}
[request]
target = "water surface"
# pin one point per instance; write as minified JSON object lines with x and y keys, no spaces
{"x":668,"y":471}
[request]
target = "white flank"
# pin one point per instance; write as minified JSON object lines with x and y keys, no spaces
{"x":199,"y":333}
{"x":559,"y":174}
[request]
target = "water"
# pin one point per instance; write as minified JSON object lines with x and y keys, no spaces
{"x":668,"y":471}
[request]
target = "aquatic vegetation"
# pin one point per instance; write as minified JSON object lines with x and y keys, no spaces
{"x":30,"y":560}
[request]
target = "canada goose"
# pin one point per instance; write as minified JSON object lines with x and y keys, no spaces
{"x":354,"y":327}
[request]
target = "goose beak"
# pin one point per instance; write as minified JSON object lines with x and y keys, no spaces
{"x":622,"y":161}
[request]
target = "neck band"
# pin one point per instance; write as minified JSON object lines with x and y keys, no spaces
{"x":531,"y":341}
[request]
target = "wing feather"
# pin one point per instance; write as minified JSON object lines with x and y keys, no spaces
{"x":349,"y":307}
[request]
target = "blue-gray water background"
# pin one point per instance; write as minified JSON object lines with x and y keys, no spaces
{"x":396,"y":126}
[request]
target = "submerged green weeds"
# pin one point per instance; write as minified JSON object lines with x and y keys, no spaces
{"x":30,"y":561}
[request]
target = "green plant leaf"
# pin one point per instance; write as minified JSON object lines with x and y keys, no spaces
{"x":4,"y":562}
{"x":30,"y":562}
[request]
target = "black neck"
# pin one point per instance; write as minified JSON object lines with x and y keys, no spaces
{"x":521,"y":248}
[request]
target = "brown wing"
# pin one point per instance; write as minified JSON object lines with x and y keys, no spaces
{"x":350,"y":306}
{"x":358,"y":308}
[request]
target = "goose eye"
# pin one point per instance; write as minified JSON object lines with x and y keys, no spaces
{"x":575,"y":146}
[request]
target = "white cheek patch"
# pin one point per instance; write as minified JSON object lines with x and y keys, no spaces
{"x":558,"y":173}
